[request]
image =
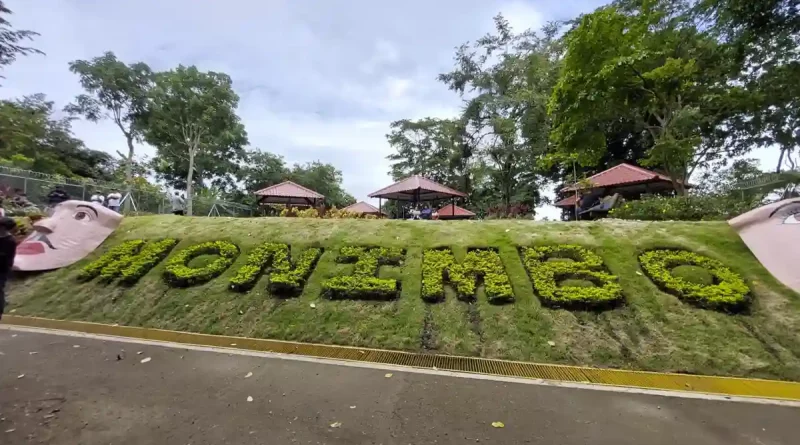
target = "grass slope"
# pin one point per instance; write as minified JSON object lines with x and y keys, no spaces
{"x":653,"y":331}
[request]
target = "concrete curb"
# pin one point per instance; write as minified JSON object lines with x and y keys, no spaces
{"x":727,"y":386}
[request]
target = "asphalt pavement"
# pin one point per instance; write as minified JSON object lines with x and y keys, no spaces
{"x":57,"y":389}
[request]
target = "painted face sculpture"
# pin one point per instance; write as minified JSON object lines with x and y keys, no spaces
{"x":772,"y":233}
{"x":75,"y":229}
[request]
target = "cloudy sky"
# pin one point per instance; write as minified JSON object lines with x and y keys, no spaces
{"x":318,"y":79}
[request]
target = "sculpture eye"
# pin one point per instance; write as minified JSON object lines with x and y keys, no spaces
{"x":81,"y":215}
{"x":792,"y":219}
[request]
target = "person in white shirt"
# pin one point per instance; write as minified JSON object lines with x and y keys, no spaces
{"x":177,"y":204}
{"x":113,"y":200}
{"x":97,"y":198}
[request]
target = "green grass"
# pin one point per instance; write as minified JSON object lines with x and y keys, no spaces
{"x":652,"y":331}
{"x":693,"y":274}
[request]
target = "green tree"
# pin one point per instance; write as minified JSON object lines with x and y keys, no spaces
{"x":192,"y":122}
{"x":117,"y":92}
{"x":31,"y":137}
{"x":654,"y":67}
{"x":324,"y":179}
{"x":506,"y":79}
{"x":11,"y":40}
{"x":765,"y":39}
{"x":262,"y":169}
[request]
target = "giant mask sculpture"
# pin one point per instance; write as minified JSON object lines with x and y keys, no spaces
{"x":75,"y":229}
{"x":772,"y":233}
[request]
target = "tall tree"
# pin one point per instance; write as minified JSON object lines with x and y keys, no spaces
{"x":117,"y":92}
{"x":262,"y":169}
{"x":324,"y":179}
{"x":653,"y":66}
{"x":11,"y":40}
{"x":192,"y":117}
{"x":31,"y":137}
{"x":765,"y":38}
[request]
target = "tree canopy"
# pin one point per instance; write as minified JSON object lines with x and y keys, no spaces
{"x":192,"y":122}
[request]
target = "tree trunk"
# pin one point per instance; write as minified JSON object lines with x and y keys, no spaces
{"x":189,"y":182}
{"x":128,"y":176}
{"x":780,"y":160}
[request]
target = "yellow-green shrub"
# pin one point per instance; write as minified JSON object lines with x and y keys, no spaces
{"x":128,"y":261}
{"x":177,"y":272}
{"x":485,"y":264}
{"x":730,"y":293}
{"x":364,"y":283}
{"x":584,"y":265}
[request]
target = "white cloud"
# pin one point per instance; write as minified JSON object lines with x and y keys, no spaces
{"x":317,"y":80}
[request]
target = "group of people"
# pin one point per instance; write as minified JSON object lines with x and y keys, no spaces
{"x":112,"y":201}
{"x":425,"y":213}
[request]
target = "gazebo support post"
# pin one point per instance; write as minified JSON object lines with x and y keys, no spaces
{"x":380,"y":207}
{"x":453,"y":207}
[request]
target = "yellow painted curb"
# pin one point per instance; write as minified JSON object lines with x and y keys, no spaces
{"x":730,"y":386}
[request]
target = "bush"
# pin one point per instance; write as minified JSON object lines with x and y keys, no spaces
{"x":435,"y":263}
{"x":682,"y":208}
{"x":177,"y":273}
{"x":728,"y":293}
{"x":364,"y":283}
{"x":129,"y":261}
{"x":285,"y":279}
{"x":479,"y":264}
{"x":549,"y":277}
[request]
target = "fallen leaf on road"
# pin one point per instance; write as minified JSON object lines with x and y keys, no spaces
{"x":498,"y":424}
{"x":249,"y":398}
{"x":312,"y":305}
{"x":33,"y":353}
{"x":146,"y":359}
{"x":21,"y":376}
{"x":389,"y":375}
{"x":551,"y":343}
{"x":249,"y":374}
{"x":139,"y":353}
{"x":13,"y":335}
{"x":336,"y":424}
{"x":76,"y":346}
{"x":11,"y":430}
{"x":353,"y":407}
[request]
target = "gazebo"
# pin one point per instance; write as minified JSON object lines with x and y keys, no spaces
{"x":364,"y":208}
{"x":289,"y":194}
{"x":452,"y":211}
{"x":621,"y":181}
{"x":416,"y":189}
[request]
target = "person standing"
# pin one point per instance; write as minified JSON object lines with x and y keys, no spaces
{"x":177,"y":204}
{"x":113,"y":200}
{"x":97,"y":198}
{"x":57,"y":196}
{"x":8,"y":250}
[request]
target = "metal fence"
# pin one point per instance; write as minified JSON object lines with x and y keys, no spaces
{"x":37,"y":186}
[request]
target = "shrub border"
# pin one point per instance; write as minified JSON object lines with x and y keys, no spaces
{"x":588,"y":265}
{"x":177,"y":273}
{"x":659,"y":271}
{"x":128,"y":261}
{"x":364,"y":284}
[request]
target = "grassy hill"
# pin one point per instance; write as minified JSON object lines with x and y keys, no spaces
{"x":651,"y":331}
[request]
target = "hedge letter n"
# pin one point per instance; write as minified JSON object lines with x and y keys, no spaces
{"x":129,"y":261}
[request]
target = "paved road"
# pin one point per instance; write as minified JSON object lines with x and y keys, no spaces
{"x":95,"y":391}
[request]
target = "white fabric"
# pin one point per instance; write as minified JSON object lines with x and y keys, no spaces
{"x":113,"y":199}
{"x":97,"y":198}
{"x":177,"y":203}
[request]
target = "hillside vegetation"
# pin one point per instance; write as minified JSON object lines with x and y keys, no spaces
{"x":651,"y":330}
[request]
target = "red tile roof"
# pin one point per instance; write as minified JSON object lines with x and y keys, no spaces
{"x":451,"y":210}
{"x":406,"y":190}
{"x":362,"y":207}
{"x":569,"y":201}
{"x":289,"y":189}
{"x":622,"y":174}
